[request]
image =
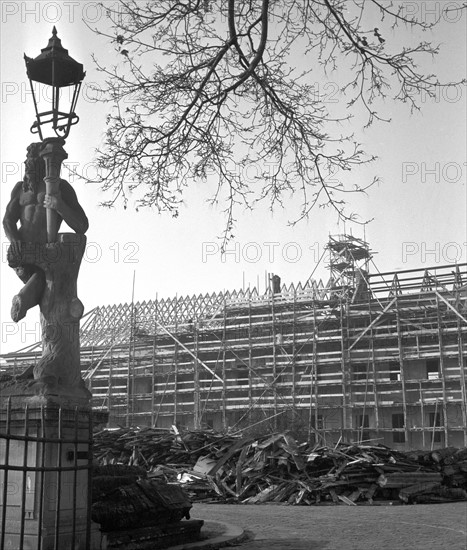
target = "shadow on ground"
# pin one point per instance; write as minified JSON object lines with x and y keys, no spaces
{"x":250,"y":543}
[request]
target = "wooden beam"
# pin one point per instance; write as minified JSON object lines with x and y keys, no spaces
{"x":250,"y":365}
{"x":188,"y":350}
{"x":315,"y":369}
{"x":153,"y":377}
{"x":422,"y":414}
{"x":402,"y":369}
{"x":371,"y":325}
{"x":450,"y":306}
{"x":175,"y":411}
{"x":344,"y":367}
{"x":460,"y":346}
{"x":224,"y":374}
{"x":373,"y":365}
{"x":274,"y":358}
{"x":443,"y":373}
{"x":293,"y":360}
{"x":196,"y":393}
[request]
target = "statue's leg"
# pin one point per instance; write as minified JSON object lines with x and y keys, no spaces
{"x":30,"y":295}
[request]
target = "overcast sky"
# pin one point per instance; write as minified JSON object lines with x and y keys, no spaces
{"x":419,"y":209}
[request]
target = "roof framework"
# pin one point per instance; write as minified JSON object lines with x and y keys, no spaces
{"x":310,"y":352}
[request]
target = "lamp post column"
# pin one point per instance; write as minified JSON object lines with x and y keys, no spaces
{"x":53,"y":154}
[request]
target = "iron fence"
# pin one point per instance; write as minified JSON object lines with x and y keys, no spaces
{"x":45,"y":477}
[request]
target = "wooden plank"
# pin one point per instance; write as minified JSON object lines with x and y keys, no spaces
{"x":346,"y":500}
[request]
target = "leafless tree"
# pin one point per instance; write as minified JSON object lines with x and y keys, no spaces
{"x":230,"y":88}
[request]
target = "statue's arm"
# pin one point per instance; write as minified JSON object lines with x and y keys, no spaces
{"x":67,"y":205}
{"x":13,"y":215}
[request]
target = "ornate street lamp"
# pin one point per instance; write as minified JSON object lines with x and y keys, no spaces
{"x":57,"y":69}
{"x":53,"y":397}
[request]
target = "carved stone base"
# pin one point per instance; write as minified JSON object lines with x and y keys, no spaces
{"x":28,"y":391}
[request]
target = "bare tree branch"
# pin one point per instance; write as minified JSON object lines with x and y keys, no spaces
{"x":214,"y":91}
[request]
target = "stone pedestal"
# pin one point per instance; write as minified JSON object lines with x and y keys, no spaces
{"x":45,"y":461}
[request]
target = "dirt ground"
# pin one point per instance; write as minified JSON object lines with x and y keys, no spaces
{"x":280,"y":527}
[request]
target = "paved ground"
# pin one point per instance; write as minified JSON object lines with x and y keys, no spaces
{"x":278,"y":527}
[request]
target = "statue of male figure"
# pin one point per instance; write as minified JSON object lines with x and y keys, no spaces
{"x":27,"y":206}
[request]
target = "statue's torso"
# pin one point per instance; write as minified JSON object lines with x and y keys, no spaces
{"x":33,"y":215}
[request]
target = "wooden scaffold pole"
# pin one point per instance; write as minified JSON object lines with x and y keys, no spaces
{"x":373,"y":367}
{"x":196,"y":382}
{"x":274,"y":354}
{"x":250,"y":363}
{"x":294,"y":364}
{"x":176,"y":366}
{"x":402,"y":370}
{"x":460,"y":346}
{"x":130,"y":374}
{"x":109,"y":391}
{"x":344,"y":367}
{"x":422,"y":413}
{"x":313,"y":405}
{"x":442,"y":368}
{"x":153,"y":378}
{"x":224,"y":376}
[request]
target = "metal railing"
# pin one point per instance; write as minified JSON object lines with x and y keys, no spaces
{"x":45,"y":477}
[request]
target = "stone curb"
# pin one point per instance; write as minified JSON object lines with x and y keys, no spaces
{"x":229,"y":534}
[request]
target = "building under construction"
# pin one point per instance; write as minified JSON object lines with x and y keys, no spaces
{"x":367,"y":356}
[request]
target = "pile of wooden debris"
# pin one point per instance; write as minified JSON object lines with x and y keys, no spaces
{"x":277,"y":468}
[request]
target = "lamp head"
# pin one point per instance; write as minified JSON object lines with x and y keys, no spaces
{"x":55,"y":68}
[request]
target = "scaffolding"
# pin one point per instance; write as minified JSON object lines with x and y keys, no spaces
{"x":369,"y":356}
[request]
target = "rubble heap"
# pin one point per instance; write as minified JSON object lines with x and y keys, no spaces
{"x":135,"y":511}
{"x":277,"y":468}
